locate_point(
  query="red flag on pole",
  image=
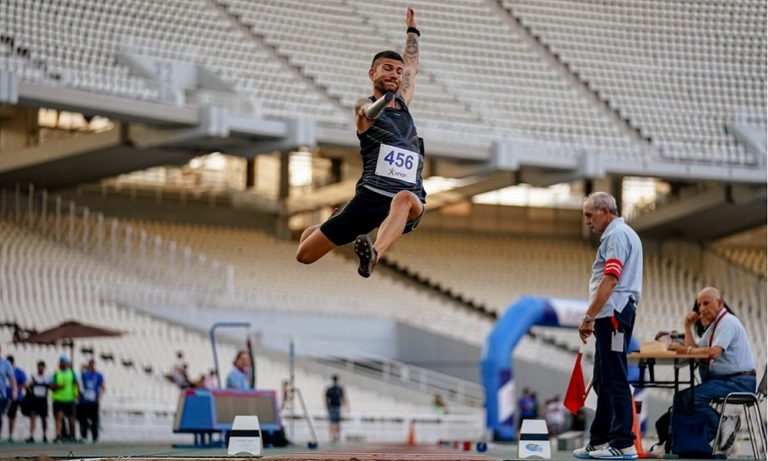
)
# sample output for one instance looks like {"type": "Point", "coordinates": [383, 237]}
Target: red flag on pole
{"type": "Point", "coordinates": [575, 395]}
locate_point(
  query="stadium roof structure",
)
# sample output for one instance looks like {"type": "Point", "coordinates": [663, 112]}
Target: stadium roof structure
{"type": "Point", "coordinates": [150, 133]}
{"type": "Point", "coordinates": [147, 134]}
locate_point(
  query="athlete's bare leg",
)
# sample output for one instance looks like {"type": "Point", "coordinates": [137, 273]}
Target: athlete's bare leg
{"type": "Point", "coordinates": [313, 245]}
{"type": "Point", "coordinates": [405, 207]}
{"type": "Point", "coordinates": [307, 232]}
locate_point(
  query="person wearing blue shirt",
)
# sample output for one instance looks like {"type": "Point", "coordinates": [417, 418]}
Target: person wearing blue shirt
{"type": "Point", "coordinates": [526, 406]}
{"type": "Point", "coordinates": [239, 378]}
{"type": "Point", "coordinates": [730, 368]}
{"type": "Point", "coordinates": [335, 398]}
{"type": "Point", "coordinates": [8, 389]}
{"type": "Point", "coordinates": [614, 294]}
{"type": "Point", "coordinates": [13, 408]}
{"type": "Point", "coordinates": [92, 388]}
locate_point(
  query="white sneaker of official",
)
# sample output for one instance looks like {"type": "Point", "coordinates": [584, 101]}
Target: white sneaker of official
{"type": "Point", "coordinates": [245, 437]}
{"type": "Point", "coordinates": [534, 440]}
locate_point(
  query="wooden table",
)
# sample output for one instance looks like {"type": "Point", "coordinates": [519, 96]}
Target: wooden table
{"type": "Point", "coordinates": [647, 360]}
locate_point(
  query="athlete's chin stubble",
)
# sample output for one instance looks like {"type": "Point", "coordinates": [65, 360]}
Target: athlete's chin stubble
{"type": "Point", "coordinates": [383, 88]}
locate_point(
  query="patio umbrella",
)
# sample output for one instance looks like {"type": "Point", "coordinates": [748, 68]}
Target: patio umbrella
{"type": "Point", "coordinates": [67, 331]}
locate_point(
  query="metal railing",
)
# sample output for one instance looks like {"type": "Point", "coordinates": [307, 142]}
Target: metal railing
{"type": "Point", "coordinates": [174, 275]}
{"type": "Point", "coordinates": [371, 365]}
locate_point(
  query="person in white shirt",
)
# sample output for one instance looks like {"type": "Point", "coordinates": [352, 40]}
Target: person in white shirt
{"type": "Point", "coordinates": [730, 368]}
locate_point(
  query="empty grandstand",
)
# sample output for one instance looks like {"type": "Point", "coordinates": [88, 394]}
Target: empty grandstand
{"type": "Point", "coordinates": [159, 161]}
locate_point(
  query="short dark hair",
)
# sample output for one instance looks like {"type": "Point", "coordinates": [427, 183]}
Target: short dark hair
{"type": "Point", "coordinates": [386, 54]}
{"type": "Point", "coordinates": [11, 359]}
{"type": "Point", "coordinates": [239, 354]}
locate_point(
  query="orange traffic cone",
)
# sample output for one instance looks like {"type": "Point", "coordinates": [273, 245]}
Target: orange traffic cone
{"type": "Point", "coordinates": [636, 429]}
{"type": "Point", "coordinates": [411, 442]}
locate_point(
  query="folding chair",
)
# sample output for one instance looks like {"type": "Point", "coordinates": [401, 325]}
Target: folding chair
{"type": "Point", "coordinates": [751, 403]}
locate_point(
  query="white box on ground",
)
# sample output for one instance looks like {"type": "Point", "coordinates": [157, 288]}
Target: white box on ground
{"type": "Point", "coordinates": [245, 436]}
{"type": "Point", "coordinates": [534, 440]}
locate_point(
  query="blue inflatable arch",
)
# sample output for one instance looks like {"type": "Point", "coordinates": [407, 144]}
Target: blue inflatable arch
{"type": "Point", "coordinates": [497, 372]}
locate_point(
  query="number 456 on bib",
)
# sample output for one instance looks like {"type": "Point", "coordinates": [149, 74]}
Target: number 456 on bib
{"type": "Point", "coordinates": [397, 163]}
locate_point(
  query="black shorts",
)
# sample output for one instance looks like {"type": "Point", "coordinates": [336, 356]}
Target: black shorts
{"type": "Point", "coordinates": [38, 406]}
{"type": "Point", "coordinates": [334, 414]}
{"type": "Point", "coordinates": [12, 409]}
{"type": "Point", "coordinates": [364, 213]}
{"type": "Point", "coordinates": [68, 408]}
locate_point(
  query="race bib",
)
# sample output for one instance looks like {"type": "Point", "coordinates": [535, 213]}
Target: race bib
{"type": "Point", "coordinates": [89, 395]}
{"type": "Point", "coordinates": [40, 391]}
{"type": "Point", "coordinates": [397, 163]}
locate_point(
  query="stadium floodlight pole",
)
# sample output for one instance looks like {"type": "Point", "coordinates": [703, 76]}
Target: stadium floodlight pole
{"type": "Point", "coordinates": [375, 109]}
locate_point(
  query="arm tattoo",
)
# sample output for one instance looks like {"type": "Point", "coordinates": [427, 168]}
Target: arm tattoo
{"type": "Point", "coordinates": [411, 61]}
{"type": "Point", "coordinates": [412, 46]}
{"type": "Point", "coordinates": [406, 82]}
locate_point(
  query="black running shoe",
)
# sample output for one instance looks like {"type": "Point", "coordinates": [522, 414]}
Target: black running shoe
{"type": "Point", "coordinates": [367, 253]}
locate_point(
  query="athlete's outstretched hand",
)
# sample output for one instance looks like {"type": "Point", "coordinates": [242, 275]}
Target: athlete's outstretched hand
{"type": "Point", "coordinates": [410, 17]}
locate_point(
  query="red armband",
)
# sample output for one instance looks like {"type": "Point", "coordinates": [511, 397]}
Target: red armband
{"type": "Point", "coordinates": [613, 267]}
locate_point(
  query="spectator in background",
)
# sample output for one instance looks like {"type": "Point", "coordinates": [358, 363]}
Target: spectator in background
{"type": "Point", "coordinates": [555, 416]}
{"type": "Point", "coordinates": [526, 406]}
{"type": "Point", "coordinates": [335, 398]}
{"type": "Point", "coordinates": [183, 379]}
{"type": "Point", "coordinates": [88, 410]}
{"type": "Point", "coordinates": [209, 382]}
{"type": "Point", "coordinates": [8, 389]}
{"type": "Point", "coordinates": [535, 400]}
{"type": "Point", "coordinates": [438, 405]}
{"type": "Point", "coordinates": [286, 391]}
{"type": "Point", "coordinates": [180, 367]}
{"type": "Point", "coordinates": [13, 407]}
{"type": "Point", "coordinates": [65, 390]}
{"type": "Point", "coordinates": [37, 394]}
{"type": "Point", "coordinates": [240, 376]}
{"type": "Point", "coordinates": [199, 383]}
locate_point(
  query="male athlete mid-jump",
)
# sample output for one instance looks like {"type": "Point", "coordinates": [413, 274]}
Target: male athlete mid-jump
{"type": "Point", "coordinates": [390, 194]}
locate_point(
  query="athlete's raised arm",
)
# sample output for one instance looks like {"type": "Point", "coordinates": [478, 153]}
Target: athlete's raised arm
{"type": "Point", "coordinates": [410, 58]}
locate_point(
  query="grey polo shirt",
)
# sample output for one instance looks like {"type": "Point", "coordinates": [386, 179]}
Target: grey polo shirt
{"type": "Point", "coordinates": [620, 254]}
{"type": "Point", "coordinates": [737, 350]}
